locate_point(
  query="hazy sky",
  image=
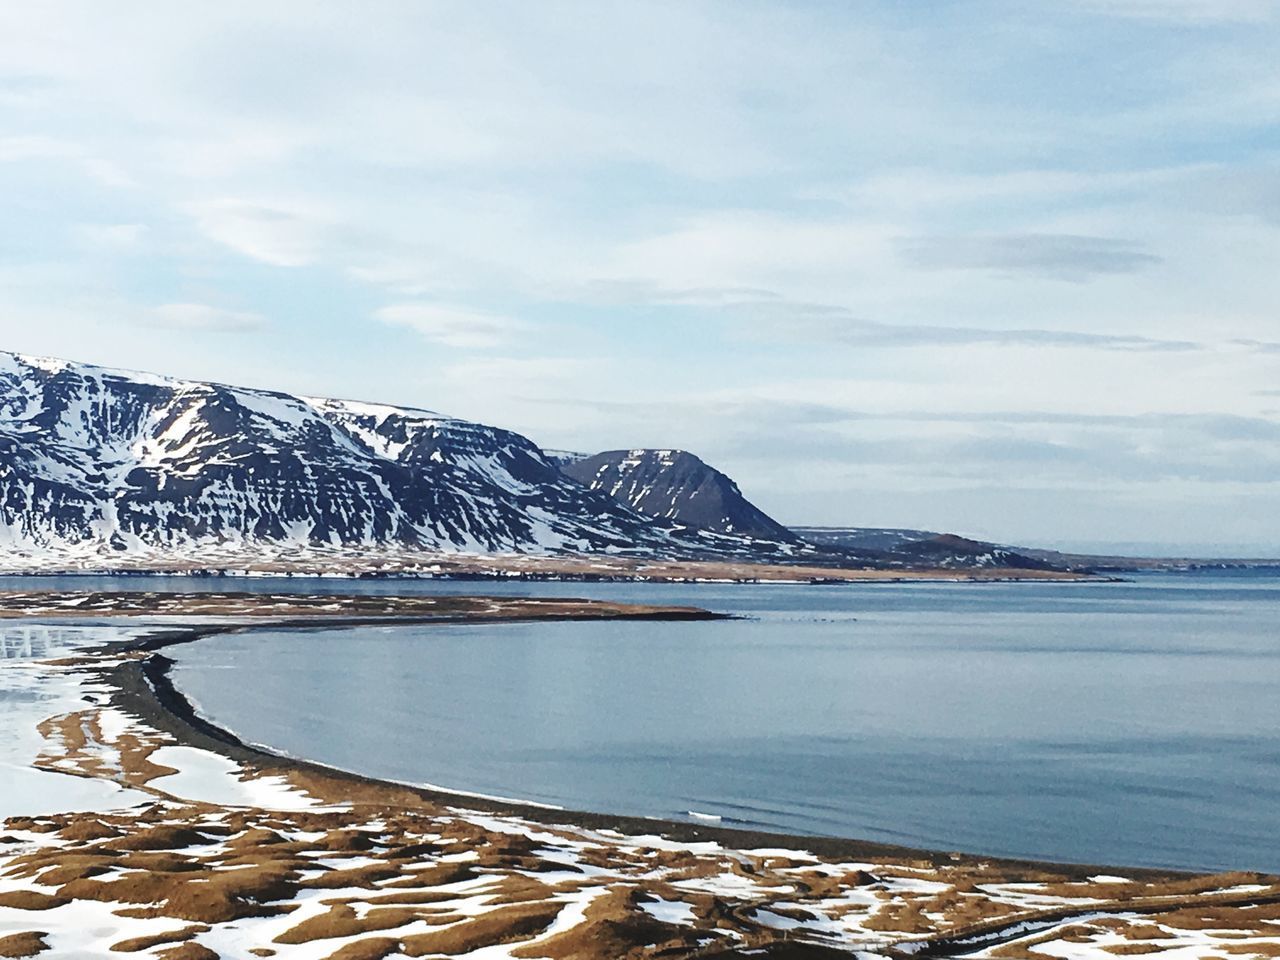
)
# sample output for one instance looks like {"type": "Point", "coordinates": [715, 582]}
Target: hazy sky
{"type": "Point", "coordinates": [1011, 269]}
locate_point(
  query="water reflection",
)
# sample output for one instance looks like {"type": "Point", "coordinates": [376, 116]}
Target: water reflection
{"type": "Point", "coordinates": [42, 641]}
{"type": "Point", "coordinates": [1133, 723]}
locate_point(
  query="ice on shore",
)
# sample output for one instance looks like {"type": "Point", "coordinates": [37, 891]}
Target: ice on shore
{"type": "Point", "coordinates": [576, 871]}
{"type": "Point", "coordinates": [668, 911]}
{"type": "Point", "coordinates": [210, 778]}
{"type": "Point", "coordinates": [31, 692]}
{"type": "Point", "coordinates": [28, 792]}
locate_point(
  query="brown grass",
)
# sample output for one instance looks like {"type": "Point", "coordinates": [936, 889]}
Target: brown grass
{"type": "Point", "coordinates": [285, 606]}
{"type": "Point", "coordinates": [1222, 918]}
{"type": "Point", "coordinates": [1182, 886]}
{"type": "Point", "coordinates": [87, 829]}
{"type": "Point", "coordinates": [188, 951]}
{"type": "Point", "coordinates": [33, 824]}
{"type": "Point", "coordinates": [516, 888]}
{"type": "Point", "coordinates": [27, 944]}
{"type": "Point", "coordinates": [1269, 948]}
{"type": "Point", "coordinates": [145, 858]}
{"type": "Point", "coordinates": [614, 927]}
{"type": "Point", "coordinates": [1079, 933]}
{"type": "Point", "coordinates": [1132, 949]}
{"type": "Point", "coordinates": [435, 876]}
{"type": "Point", "coordinates": [504, 925]}
{"type": "Point", "coordinates": [899, 917]}
{"type": "Point", "coordinates": [162, 837]}
{"type": "Point", "coordinates": [56, 867]}
{"type": "Point", "coordinates": [970, 908]}
{"type": "Point", "coordinates": [342, 921]}
{"type": "Point", "coordinates": [415, 898]}
{"type": "Point", "coordinates": [344, 841]}
{"type": "Point", "coordinates": [31, 900]}
{"type": "Point", "coordinates": [375, 948]}
{"type": "Point", "coordinates": [1020, 951]}
{"type": "Point", "coordinates": [366, 877]}
{"type": "Point", "coordinates": [135, 944]}
{"type": "Point", "coordinates": [1145, 931]}
{"type": "Point", "coordinates": [203, 897]}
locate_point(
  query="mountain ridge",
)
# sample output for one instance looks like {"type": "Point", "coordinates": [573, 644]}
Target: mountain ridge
{"type": "Point", "coordinates": [101, 457]}
{"type": "Point", "coordinates": [679, 486]}
{"type": "Point", "coordinates": [104, 468]}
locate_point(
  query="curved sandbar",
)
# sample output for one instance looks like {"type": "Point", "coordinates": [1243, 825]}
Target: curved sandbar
{"type": "Point", "coordinates": [145, 688]}
{"type": "Point", "coordinates": [400, 869]}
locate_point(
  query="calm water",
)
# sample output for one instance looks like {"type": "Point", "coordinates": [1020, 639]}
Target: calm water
{"type": "Point", "coordinates": [1110, 723]}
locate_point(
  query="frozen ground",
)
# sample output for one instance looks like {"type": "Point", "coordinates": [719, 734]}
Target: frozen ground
{"type": "Point", "coordinates": [120, 840]}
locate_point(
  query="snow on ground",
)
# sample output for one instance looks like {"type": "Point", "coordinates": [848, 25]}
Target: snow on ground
{"type": "Point", "coordinates": [321, 873]}
{"type": "Point", "coordinates": [209, 778]}
{"type": "Point", "coordinates": [669, 911]}
{"type": "Point", "coordinates": [30, 692]}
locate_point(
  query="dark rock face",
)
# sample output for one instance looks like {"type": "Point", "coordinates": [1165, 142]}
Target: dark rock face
{"type": "Point", "coordinates": [676, 486]}
{"type": "Point", "coordinates": [875, 539]}
{"type": "Point", "coordinates": [895, 546]}
{"type": "Point", "coordinates": [949, 551]}
{"type": "Point", "coordinates": [89, 455]}
{"type": "Point", "coordinates": [96, 463]}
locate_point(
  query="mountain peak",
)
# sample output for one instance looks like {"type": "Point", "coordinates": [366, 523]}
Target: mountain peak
{"type": "Point", "coordinates": [677, 486]}
{"type": "Point", "coordinates": [94, 460]}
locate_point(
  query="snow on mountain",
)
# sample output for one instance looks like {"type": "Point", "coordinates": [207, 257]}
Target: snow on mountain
{"type": "Point", "coordinates": [563, 458]}
{"type": "Point", "coordinates": [107, 469]}
{"type": "Point", "coordinates": [948, 551]}
{"type": "Point", "coordinates": [677, 486]}
{"type": "Point", "coordinates": [105, 462]}
{"type": "Point", "coordinates": [896, 546]}
{"type": "Point", "coordinates": [875, 539]}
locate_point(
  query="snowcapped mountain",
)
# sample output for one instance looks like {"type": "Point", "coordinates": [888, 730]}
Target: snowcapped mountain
{"type": "Point", "coordinates": [112, 470]}
{"type": "Point", "coordinates": [677, 486]}
{"type": "Point", "coordinates": [104, 462]}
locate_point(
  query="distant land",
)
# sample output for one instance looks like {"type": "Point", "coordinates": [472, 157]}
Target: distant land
{"type": "Point", "coordinates": [112, 471]}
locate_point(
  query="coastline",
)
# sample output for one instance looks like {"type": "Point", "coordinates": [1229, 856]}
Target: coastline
{"type": "Point", "coordinates": [746, 892]}
{"type": "Point", "coordinates": [143, 686]}
{"type": "Point", "coordinates": [536, 568]}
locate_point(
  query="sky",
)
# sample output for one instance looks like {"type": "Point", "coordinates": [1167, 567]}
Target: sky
{"type": "Point", "coordinates": [1005, 269]}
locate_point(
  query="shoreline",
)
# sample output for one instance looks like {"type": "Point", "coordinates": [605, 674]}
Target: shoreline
{"type": "Point", "coordinates": [246, 846]}
{"type": "Point", "coordinates": [536, 568]}
{"type": "Point", "coordinates": [146, 688]}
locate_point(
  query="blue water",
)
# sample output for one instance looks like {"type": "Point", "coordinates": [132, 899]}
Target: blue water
{"type": "Point", "coordinates": [1134, 723]}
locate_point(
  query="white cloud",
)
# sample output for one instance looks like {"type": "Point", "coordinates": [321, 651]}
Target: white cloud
{"type": "Point", "coordinates": [277, 233]}
{"type": "Point", "coordinates": [516, 375]}
{"type": "Point", "coordinates": [453, 326]}
{"type": "Point", "coordinates": [111, 237]}
{"type": "Point", "coordinates": [20, 149]}
{"type": "Point", "coordinates": [407, 276]}
{"type": "Point", "coordinates": [926, 193]}
{"type": "Point", "coordinates": [1056, 255]}
{"type": "Point", "coordinates": [1186, 11]}
{"type": "Point", "coordinates": [747, 249]}
{"type": "Point", "coordinates": [665, 177]}
{"type": "Point", "coordinates": [201, 316]}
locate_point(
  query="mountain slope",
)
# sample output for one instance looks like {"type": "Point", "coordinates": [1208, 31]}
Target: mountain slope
{"type": "Point", "coordinates": [113, 461]}
{"type": "Point", "coordinates": [948, 551]}
{"type": "Point", "coordinates": [675, 485]}
{"type": "Point", "coordinates": [110, 470]}
{"type": "Point", "coordinates": [874, 539]}
{"type": "Point", "coordinates": [897, 546]}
